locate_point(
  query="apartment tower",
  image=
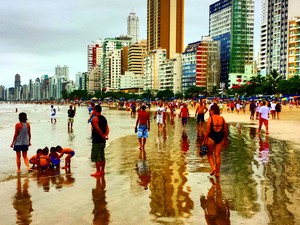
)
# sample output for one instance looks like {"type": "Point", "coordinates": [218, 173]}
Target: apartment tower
{"type": "Point", "coordinates": [263, 38]}
{"type": "Point", "coordinates": [231, 22]}
{"type": "Point", "coordinates": [165, 26]}
{"type": "Point", "coordinates": [294, 48]}
{"type": "Point", "coordinates": [133, 27]}
{"type": "Point", "coordinates": [279, 14]}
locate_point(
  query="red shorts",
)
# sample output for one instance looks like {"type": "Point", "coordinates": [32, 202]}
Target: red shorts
{"type": "Point", "coordinates": [263, 121]}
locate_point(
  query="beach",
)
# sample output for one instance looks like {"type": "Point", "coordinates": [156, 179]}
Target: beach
{"type": "Point", "coordinates": [256, 186]}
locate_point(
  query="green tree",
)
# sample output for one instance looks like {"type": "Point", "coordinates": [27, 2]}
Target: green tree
{"type": "Point", "coordinates": [194, 92]}
{"type": "Point", "coordinates": [290, 86]}
{"type": "Point", "coordinates": [272, 81]}
{"type": "Point", "coordinates": [165, 94]}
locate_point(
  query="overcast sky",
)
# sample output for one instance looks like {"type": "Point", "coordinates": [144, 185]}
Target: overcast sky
{"type": "Point", "coordinates": [38, 35]}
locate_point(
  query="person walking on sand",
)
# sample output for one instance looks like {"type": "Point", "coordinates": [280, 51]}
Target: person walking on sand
{"type": "Point", "coordinates": [100, 132]}
{"type": "Point", "coordinates": [199, 114]}
{"type": "Point", "coordinates": [264, 117]}
{"type": "Point", "coordinates": [142, 126]}
{"type": "Point", "coordinates": [159, 115]}
{"type": "Point", "coordinates": [184, 115]}
{"type": "Point", "coordinates": [53, 114]}
{"type": "Point", "coordinates": [215, 138]}
{"type": "Point", "coordinates": [21, 141]}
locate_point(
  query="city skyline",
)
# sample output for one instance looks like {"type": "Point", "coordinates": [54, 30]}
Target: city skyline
{"type": "Point", "coordinates": [38, 36]}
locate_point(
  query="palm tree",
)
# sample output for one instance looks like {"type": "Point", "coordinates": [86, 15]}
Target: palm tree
{"type": "Point", "coordinates": [273, 79]}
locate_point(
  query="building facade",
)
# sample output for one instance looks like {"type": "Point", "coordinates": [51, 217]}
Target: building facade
{"type": "Point", "coordinates": [294, 47]}
{"type": "Point", "coordinates": [165, 26]}
{"type": "Point", "coordinates": [279, 14]}
{"type": "Point", "coordinates": [170, 74]}
{"type": "Point", "coordinates": [152, 62]}
{"type": "Point", "coordinates": [208, 66]}
{"type": "Point", "coordinates": [94, 54]}
{"type": "Point", "coordinates": [231, 22]}
{"type": "Point", "coordinates": [136, 55]}
{"type": "Point", "coordinates": [133, 27]}
{"type": "Point", "coordinates": [263, 38]}
{"type": "Point", "coordinates": [188, 78]}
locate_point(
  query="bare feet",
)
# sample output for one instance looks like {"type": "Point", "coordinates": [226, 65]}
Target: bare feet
{"type": "Point", "coordinates": [30, 170]}
{"type": "Point", "coordinates": [18, 171]}
{"type": "Point", "coordinates": [217, 175]}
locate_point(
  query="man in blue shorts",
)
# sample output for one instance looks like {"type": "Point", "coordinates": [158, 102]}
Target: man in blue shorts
{"type": "Point", "coordinates": [142, 126]}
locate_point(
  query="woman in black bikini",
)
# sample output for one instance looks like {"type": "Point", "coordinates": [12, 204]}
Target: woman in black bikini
{"type": "Point", "coordinates": [216, 137]}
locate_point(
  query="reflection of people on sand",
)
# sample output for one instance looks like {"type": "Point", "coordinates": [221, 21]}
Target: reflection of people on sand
{"type": "Point", "coordinates": [22, 203]}
{"type": "Point", "coordinates": [100, 211]}
{"type": "Point", "coordinates": [143, 170]}
{"type": "Point", "coordinates": [264, 149]}
{"type": "Point", "coordinates": [184, 143]}
{"type": "Point", "coordinates": [53, 114]}
{"type": "Point", "coordinates": [215, 208]}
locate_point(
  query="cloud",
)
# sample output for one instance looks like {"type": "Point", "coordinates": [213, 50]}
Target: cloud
{"type": "Point", "coordinates": [37, 35]}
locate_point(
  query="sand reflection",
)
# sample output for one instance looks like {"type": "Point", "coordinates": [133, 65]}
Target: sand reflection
{"type": "Point", "coordinates": [215, 208]}
{"type": "Point", "coordinates": [100, 211]}
{"type": "Point", "coordinates": [22, 202]}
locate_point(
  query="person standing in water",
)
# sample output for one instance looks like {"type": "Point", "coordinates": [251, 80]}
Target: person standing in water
{"type": "Point", "coordinates": [21, 141]}
{"type": "Point", "coordinates": [53, 114]}
{"type": "Point", "coordinates": [216, 138]}
{"type": "Point", "coordinates": [100, 132]}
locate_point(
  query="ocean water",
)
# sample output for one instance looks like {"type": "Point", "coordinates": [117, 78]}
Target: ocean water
{"type": "Point", "coordinates": [259, 181]}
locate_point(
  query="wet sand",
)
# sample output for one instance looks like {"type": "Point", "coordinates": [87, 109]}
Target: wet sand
{"type": "Point", "coordinates": [168, 185]}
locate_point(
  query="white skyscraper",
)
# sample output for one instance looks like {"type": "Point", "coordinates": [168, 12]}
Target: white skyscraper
{"type": "Point", "coordinates": [263, 37]}
{"type": "Point", "coordinates": [279, 14]}
{"type": "Point", "coordinates": [133, 27]}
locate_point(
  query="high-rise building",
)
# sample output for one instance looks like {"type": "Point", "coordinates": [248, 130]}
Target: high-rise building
{"type": "Point", "coordinates": [17, 87]}
{"type": "Point", "coordinates": [294, 47]}
{"type": "Point", "coordinates": [94, 54]}
{"type": "Point", "coordinates": [232, 23]}
{"type": "Point", "coordinates": [279, 14]}
{"type": "Point", "coordinates": [263, 38]}
{"type": "Point", "coordinates": [136, 55]}
{"type": "Point", "coordinates": [189, 66]}
{"type": "Point", "coordinates": [165, 26]}
{"type": "Point", "coordinates": [152, 62]}
{"type": "Point", "coordinates": [208, 64]}
{"type": "Point", "coordinates": [62, 72]}
{"type": "Point", "coordinates": [111, 64]}
{"type": "Point", "coordinates": [133, 27]}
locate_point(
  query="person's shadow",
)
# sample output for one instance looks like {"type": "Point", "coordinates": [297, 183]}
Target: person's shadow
{"type": "Point", "coordinates": [215, 208]}
{"type": "Point", "coordinates": [100, 211]}
{"type": "Point", "coordinates": [22, 202]}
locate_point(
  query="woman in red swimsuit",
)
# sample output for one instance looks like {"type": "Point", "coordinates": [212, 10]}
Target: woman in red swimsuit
{"type": "Point", "coordinates": [216, 137]}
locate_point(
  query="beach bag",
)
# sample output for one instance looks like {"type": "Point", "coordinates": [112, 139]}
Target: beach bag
{"type": "Point", "coordinates": [203, 150]}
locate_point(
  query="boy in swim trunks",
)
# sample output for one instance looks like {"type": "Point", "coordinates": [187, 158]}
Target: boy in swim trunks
{"type": "Point", "coordinates": [35, 160]}
{"type": "Point", "coordinates": [70, 153]}
{"type": "Point", "coordinates": [53, 157]}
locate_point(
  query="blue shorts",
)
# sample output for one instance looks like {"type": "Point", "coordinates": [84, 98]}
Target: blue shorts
{"type": "Point", "coordinates": [142, 131]}
{"type": "Point", "coordinates": [184, 119]}
{"type": "Point", "coordinates": [22, 148]}
{"type": "Point", "coordinates": [54, 161]}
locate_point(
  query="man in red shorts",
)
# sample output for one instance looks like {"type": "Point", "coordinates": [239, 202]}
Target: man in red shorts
{"type": "Point", "coordinates": [264, 117]}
